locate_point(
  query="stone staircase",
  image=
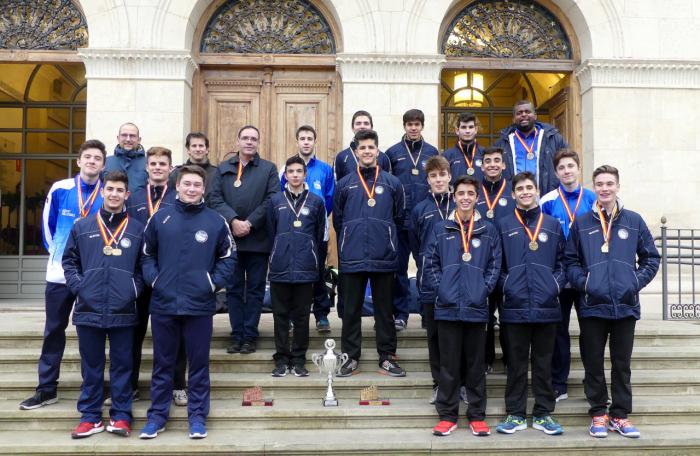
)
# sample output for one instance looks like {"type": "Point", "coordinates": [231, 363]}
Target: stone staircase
{"type": "Point", "coordinates": [666, 382]}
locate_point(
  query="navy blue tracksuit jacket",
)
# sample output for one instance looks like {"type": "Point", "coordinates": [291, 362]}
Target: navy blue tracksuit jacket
{"type": "Point", "coordinates": [188, 255]}
{"type": "Point", "coordinates": [531, 279]}
{"type": "Point", "coordinates": [459, 166]}
{"type": "Point", "coordinates": [459, 288]}
{"type": "Point", "coordinates": [610, 282]}
{"type": "Point", "coordinates": [346, 163]}
{"type": "Point", "coordinates": [137, 204]}
{"type": "Point", "coordinates": [294, 257]}
{"type": "Point", "coordinates": [367, 236]}
{"type": "Point", "coordinates": [505, 205]}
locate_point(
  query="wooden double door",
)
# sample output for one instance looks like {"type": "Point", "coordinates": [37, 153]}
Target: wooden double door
{"type": "Point", "coordinates": [277, 101]}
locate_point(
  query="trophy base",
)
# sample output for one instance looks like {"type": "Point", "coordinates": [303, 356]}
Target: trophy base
{"type": "Point", "coordinates": [377, 402]}
{"type": "Point", "coordinates": [329, 402]}
{"type": "Point", "coordinates": [261, 403]}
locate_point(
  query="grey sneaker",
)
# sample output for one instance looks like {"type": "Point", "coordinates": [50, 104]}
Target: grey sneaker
{"type": "Point", "coordinates": [351, 367]}
{"type": "Point", "coordinates": [180, 397]}
{"type": "Point", "coordinates": [391, 368]}
{"type": "Point", "coordinates": [433, 395]}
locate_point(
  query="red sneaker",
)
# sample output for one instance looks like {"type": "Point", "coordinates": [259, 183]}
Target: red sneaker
{"type": "Point", "coordinates": [119, 427]}
{"type": "Point", "coordinates": [444, 428]}
{"type": "Point", "coordinates": [86, 429]}
{"type": "Point", "coordinates": [479, 428]}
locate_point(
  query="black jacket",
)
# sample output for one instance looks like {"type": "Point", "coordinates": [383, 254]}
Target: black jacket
{"type": "Point", "coordinates": [210, 169]}
{"type": "Point", "coordinates": [247, 202]}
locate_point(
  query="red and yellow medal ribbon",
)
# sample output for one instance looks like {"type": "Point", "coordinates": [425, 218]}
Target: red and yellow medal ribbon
{"type": "Point", "coordinates": [466, 237]}
{"type": "Point", "coordinates": [530, 148]}
{"type": "Point", "coordinates": [538, 227]}
{"type": "Point", "coordinates": [152, 209]}
{"type": "Point", "coordinates": [491, 204]}
{"type": "Point", "coordinates": [118, 233]}
{"type": "Point", "coordinates": [86, 206]}
{"type": "Point", "coordinates": [370, 193]}
{"type": "Point", "coordinates": [604, 225]}
{"type": "Point", "coordinates": [572, 215]}
{"type": "Point", "coordinates": [466, 158]}
{"type": "Point", "coordinates": [239, 173]}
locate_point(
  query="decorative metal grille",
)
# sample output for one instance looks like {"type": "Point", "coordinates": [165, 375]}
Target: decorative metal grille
{"type": "Point", "coordinates": [42, 24]}
{"type": "Point", "coordinates": [506, 29]}
{"type": "Point", "coordinates": [266, 27]}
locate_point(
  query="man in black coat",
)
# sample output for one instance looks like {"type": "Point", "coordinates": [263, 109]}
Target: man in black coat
{"type": "Point", "coordinates": [197, 144]}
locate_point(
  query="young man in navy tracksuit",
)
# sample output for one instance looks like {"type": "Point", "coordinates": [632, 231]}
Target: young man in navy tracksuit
{"type": "Point", "coordinates": [565, 204]}
{"type": "Point", "coordinates": [408, 159]}
{"type": "Point", "coordinates": [102, 268]}
{"type": "Point", "coordinates": [610, 257]}
{"type": "Point", "coordinates": [433, 209]}
{"type": "Point", "coordinates": [188, 255]}
{"type": "Point", "coordinates": [67, 201]}
{"type": "Point", "coordinates": [368, 209]}
{"type": "Point", "coordinates": [495, 202]}
{"type": "Point", "coordinates": [462, 264]}
{"type": "Point", "coordinates": [298, 225]}
{"type": "Point", "coordinates": [533, 274]}
{"type": "Point", "coordinates": [465, 157]}
{"type": "Point", "coordinates": [142, 204]}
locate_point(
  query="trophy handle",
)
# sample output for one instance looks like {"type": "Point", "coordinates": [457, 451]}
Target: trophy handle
{"type": "Point", "coordinates": [317, 360]}
{"type": "Point", "coordinates": [343, 357]}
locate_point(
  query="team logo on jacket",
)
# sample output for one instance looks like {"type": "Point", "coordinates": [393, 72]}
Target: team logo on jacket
{"type": "Point", "coordinates": [622, 233]}
{"type": "Point", "coordinates": [317, 185]}
{"type": "Point", "coordinates": [503, 202]}
{"type": "Point", "coordinates": [379, 189]}
{"type": "Point", "coordinates": [476, 243]}
{"type": "Point", "coordinates": [543, 237]}
{"type": "Point", "coordinates": [125, 242]}
{"type": "Point", "coordinates": [201, 236]}
{"type": "Point", "coordinates": [304, 211]}
{"type": "Point", "coordinates": [477, 162]}
{"type": "Point", "coordinates": [423, 163]}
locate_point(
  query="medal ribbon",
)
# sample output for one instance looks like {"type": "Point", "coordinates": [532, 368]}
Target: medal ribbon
{"type": "Point", "coordinates": [370, 194]}
{"type": "Point", "coordinates": [466, 238]}
{"type": "Point", "coordinates": [604, 224]}
{"type": "Point", "coordinates": [489, 203]}
{"type": "Point", "coordinates": [151, 208]}
{"type": "Point", "coordinates": [522, 141]}
{"type": "Point", "coordinates": [530, 234]}
{"type": "Point", "coordinates": [473, 154]}
{"type": "Point", "coordinates": [447, 206]}
{"type": "Point", "coordinates": [291, 206]}
{"type": "Point", "coordinates": [239, 173]}
{"type": "Point", "coordinates": [410, 155]}
{"type": "Point", "coordinates": [119, 232]}
{"type": "Point", "coordinates": [86, 206]}
{"type": "Point", "coordinates": [572, 216]}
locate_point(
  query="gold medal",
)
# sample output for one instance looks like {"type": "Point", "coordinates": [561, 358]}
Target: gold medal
{"type": "Point", "coordinates": [605, 226]}
{"type": "Point", "coordinates": [533, 245]}
{"type": "Point", "coordinates": [237, 183]}
{"type": "Point", "coordinates": [466, 237]}
{"type": "Point", "coordinates": [110, 239]}
{"type": "Point", "coordinates": [605, 248]}
{"type": "Point", "coordinates": [466, 257]}
{"type": "Point", "coordinates": [490, 213]}
{"type": "Point", "coordinates": [470, 171]}
{"type": "Point", "coordinates": [370, 193]}
{"type": "Point", "coordinates": [414, 171]}
{"type": "Point", "coordinates": [371, 202]}
{"type": "Point", "coordinates": [530, 234]}
{"type": "Point", "coordinates": [116, 252]}
{"type": "Point", "coordinates": [239, 173]}
{"type": "Point", "coordinates": [107, 250]}
{"type": "Point", "coordinates": [530, 156]}
{"type": "Point", "coordinates": [491, 203]}
{"type": "Point", "coordinates": [297, 223]}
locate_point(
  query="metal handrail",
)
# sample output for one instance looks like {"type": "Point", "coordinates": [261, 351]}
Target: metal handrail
{"type": "Point", "coordinates": [683, 245]}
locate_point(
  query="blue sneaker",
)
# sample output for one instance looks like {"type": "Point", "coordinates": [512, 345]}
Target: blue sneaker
{"type": "Point", "coordinates": [624, 427]}
{"type": "Point", "coordinates": [547, 424]}
{"type": "Point", "coordinates": [511, 424]}
{"type": "Point", "coordinates": [151, 430]}
{"type": "Point", "coordinates": [198, 430]}
{"type": "Point", "coordinates": [323, 326]}
{"type": "Point", "coordinates": [599, 426]}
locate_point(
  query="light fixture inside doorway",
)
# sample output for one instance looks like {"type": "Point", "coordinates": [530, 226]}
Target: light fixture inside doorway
{"type": "Point", "coordinates": [468, 87]}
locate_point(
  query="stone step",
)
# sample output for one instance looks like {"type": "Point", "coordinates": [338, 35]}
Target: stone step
{"type": "Point", "coordinates": [669, 440]}
{"type": "Point", "coordinates": [679, 382]}
{"type": "Point", "coordinates": [310, 414]}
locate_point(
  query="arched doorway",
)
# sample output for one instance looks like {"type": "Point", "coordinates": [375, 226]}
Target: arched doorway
{"type": "Point", "coordinates": [270, 64]}
{"type": "Point", "coordinates": [42, 124]}
{"type": "Point", "coordinates": [502, 51]}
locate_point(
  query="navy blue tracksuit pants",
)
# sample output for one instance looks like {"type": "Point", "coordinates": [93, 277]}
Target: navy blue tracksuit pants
{"type": "Point", "coordinates": [322, 303]}
{"type": "Point", "coordinates": [245, 295]}
{"type": "Point", "coordinates": [168, 332]}
{"type": "Point", "coordinates": [59, 303]}
{"type": "Point", "coordinates": [91, 342]}
{"type": "Point", "coordinates": [402, 285]}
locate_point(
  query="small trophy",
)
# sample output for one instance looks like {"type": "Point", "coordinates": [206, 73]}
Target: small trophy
{"type": "Point", "coordinates": [254, 397]}
{"type": "Point", "coordinates": [370, 396]}
{"type": "Point", "coordinates": [329, 362]}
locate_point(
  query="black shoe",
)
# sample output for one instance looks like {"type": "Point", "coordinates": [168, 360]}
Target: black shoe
{"type": "Point", "coordinates": [489, 369]}
{"type": "Point", "coordinates": [279, 371]}
{"type": "Point", "coordinates": [247, 348]}
{"type": "Point", "coordinates": [391, 368]}
{"type": "Point", "coordinates": [351, 367]}
{"type": "Point", "coordinates": [235, 347]}
{"type": "Point", "coordinates": [300, 371]}
{"type": "Point", "coordinates": [40, 399]}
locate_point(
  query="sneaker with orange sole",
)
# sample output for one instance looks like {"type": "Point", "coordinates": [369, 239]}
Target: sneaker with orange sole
{"type": "Point", "coordinates": [479, 428]}
{"type": "Point", "coordinates": [444, 428]}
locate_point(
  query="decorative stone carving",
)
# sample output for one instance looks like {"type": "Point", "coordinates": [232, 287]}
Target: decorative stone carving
{"type": "Point", "coordinates": [42, 25]}
{"type": "Point", "coordinates": [506, 29]}
{"type": "Point", "coordinates": [633, 73]}
{"type": "Point", "coordinates": [267, 27]}
{"type": "Point", "coordinates": [390, 69]}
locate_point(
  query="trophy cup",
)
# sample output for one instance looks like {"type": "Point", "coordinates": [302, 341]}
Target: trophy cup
{"type": "Point", "coordinates": [329, 362]}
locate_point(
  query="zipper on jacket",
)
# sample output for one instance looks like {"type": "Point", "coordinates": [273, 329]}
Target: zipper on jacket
{"type": "Point", "coordinates": [274, 247]}
{"type": "Point", "coordinates": [313, 252]}
{"type": "Point", "coordinates": [342, 244]}
{"type": "Point", "coordinates": [136, 293]}
{"type": "Point", "coordinates": [421, 273]}
{"type": "Point", "coordinates": [391, 241]}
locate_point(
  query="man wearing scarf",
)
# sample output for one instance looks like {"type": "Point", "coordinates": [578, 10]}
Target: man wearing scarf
{"type": "Point", "coordinates": [129, 157]}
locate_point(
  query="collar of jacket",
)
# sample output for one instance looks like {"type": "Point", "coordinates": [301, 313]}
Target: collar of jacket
{"type": "Point", "coordinates": [451, 223]}
{"type": "Point", "coordinates": [573, 194]}
{"type": "Point", "coordinates": [596, 210]}
{"type": "Point", "coordinates": [529, 215]}
{"type": "Point", "coordinates": [111, 219]}
{"type": "Point", "coordinates": [231, 165]}
{"type": "Point", "coordinates": [133, 153]}
{"type": "Point", "coordinates": [493, 187]}
{"type": "Point", "coordinates": [414, 146]}
{"type": "Point", "coordinates": [547, 129]}
{"type": "Point", "coordinates": [312, 160]}
{"type": "Point", "coordinates": [189, 207]}
{"type": "Point", "coordinates": [204, 165]}
{"type": "Point", "coordinates": [368, 172]}
{"type": "Point", "coordinates": [292, 195]}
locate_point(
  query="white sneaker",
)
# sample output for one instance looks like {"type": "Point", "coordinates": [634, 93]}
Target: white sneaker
{"type": "Point", "coordinates": [180, 397]}
{"type": "Point", "coordinates": [561, 396]}
{"type": "Point", "coordinates": [433, 395]}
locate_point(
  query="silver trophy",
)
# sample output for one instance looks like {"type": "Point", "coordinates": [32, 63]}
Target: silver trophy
{"type": "Point", "coordinates": [329, 362]}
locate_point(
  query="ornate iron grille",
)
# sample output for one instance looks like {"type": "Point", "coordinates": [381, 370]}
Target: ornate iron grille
{"type": "Point", "coordinates": [267, 27]}
{"type": "Point", "coordinates": [506, 29]}
{"type": "Point", "coordinates": [47, 24]}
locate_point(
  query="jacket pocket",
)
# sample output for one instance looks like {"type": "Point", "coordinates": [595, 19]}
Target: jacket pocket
{"type": "Point", "coordinates": [196, 285]}
{"type": "Point", "coordinates": [92, 290]}
{"type": "Point", "coordinates": [597, 287]}
{"type": "Point", "coordinates": [515, 289]}
{"type": "Point", "coordinates": [449, 293]}
{"type": "Point", "coordinates": [626, 284]}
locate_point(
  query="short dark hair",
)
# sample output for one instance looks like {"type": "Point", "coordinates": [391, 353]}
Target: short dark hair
{"type": "Point", "coordinates": [93, 144]}
{"type": "Point", "coordinates": [192, 169]}
{"type": "Point", "coordinates": [157, 151]}
{"type": "Point", "coordinates": [465, 117]}
{"type": "Point", "coordinates": [367, 134]}
{"type": "Point", "coordinates": [492, 150]}
{"type": "Point", "coordinates": [521, 103]}
{"type": "Point", "coordinates": [361, 114]}
{"type": "Point", "coordinates": [607, 169]}
{"type": "Point", "coordinates": [413, 115]}
{"type": "Point", "coordinates": [196, 135]}
{"type": "Point", "coordinates": [566, 153]}
{"type": "Point", "coordinates": [295, 160]}
{"type": "Point", "coordinates": [523, 176]}
{"type": "Point", "coordinates": [466, 180]}
{"type": "Point", "coordinates": [305, 128]}
{"type": "Point", "coordinates": [245, 127]}
{"type": "Point", "coordinates": [436, 163]}
{"type": "Point", "coordinates": [117, 176]}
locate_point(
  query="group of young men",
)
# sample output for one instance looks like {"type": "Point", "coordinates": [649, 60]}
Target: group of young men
{"type": "Point", "coordinates": [506, 228]}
